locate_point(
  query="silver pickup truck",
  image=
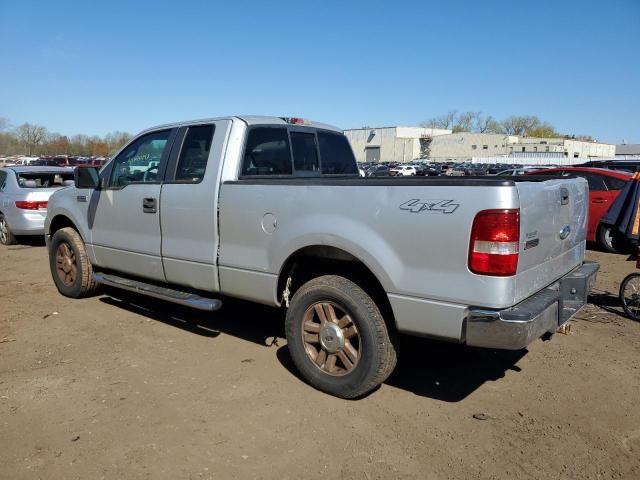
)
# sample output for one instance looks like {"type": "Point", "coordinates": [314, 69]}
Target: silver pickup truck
{"type": "Point", "coordinates": [272, 210]}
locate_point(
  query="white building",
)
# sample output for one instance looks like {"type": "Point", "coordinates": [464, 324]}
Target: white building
{"type": "Point", "coordinates": [465, 146]}
{"type": "Point", "coordinates": [626, 150]}
{"type": "Point", "coordinates": [564, 147]}
{"type": "Point", "coordinates": [391, 144]}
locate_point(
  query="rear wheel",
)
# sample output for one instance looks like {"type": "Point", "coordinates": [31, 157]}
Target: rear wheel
{"type": "Point", "coordinates": [70, 267]}
{"type": "Point", "coordinates": [337, 337]}
{"type": "Point", "coordinates": [630, 295]}
{"type": "Point", "coordinates": [6, 237]}
{"type": "Point", "coordinates": [609, 239]}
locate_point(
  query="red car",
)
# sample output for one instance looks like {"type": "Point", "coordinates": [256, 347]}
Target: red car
{"type": "Point", "coordinates": [604, 187]}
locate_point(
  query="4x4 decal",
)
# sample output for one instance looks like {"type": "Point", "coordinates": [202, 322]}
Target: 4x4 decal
{"type": "Point", "coordinates": [430, 206]}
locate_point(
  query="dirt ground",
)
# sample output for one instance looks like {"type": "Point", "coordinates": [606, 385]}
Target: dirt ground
{"type": "Point", "coordinates": [123, 387]}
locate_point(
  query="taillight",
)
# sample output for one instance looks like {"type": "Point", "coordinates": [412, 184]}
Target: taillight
{"type": "Point", "coordinates": [32, 205]}
{"type": "Point", "coordinates": [495, 238]}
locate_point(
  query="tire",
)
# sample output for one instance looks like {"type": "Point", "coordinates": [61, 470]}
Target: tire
{"type": "Point", "coordinates": [609, 239]}
{"type": "Point", "coordinates": [630, 296]}
{"type": "Point", "coordinates": [70, 267]}
{"type": "Point", "coordinates": [348, 356]}
{"type": "Point", "coordinates": [6, 237]}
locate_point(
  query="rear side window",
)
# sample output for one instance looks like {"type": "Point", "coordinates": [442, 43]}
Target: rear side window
{"type": "Point", "coordinates": [194, 154]}
{"type": "Point", "coordinates": [596, 182]}
{"type": "Point", "coordinates": [305, 154]}
{"type": "Point", "coordinates": [336, 154]}
{"type": "Point", "coordinates": [267, 152]}
{"type": "Point", "coordinates": [614, 183]}
{"type": "Point", "coordinates": [3, 179]}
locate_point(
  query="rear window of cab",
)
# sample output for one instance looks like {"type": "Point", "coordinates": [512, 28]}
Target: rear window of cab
{"type": "Point", "coordinates": [280, 151]}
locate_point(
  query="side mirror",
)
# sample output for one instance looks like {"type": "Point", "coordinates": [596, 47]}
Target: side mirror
{"type": "Point", "coordinates": [86, 177]}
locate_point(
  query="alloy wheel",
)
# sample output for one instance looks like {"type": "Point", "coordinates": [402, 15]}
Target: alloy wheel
{"type": "Point", "coordinates": [331, 338]}
{"type": "Point", "coordinates": [4, 231]}
{"type": "Point", "coordinates": [66, 265]}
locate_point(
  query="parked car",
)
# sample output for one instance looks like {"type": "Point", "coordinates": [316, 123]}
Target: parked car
{"type": "Point", "coordinates": [24, 193]}
{"type": "Point", "coordinates": [403, 171]}
{"type": "Point", "coordinates": [518, 171]}
{"type": "Point", "coordinates": [475, 170]}
{"type": "Point", "coordinates": [604, 187]}
{"type": "Point", "coordinates": [346, 256]}
{"type": "Point", "coordinates": [25, 161]}
{"type": "Point", "coordinates": [378, 171]}
{"type": "Point", "coordinates": [494, 169]}
{"type": "Point", "coordinates": [91, 162]}
{"type": "Point", "coordinates": [631, 166]}
{"type": "Point", "coordinates": [457, 170]}
{"type": "Point", "coordinates": [428, 170]}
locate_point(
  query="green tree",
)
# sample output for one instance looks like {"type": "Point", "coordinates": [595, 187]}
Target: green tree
{"type": "Point", "coordinates": [544, 130]}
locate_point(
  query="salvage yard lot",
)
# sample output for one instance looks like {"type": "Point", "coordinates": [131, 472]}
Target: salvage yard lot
{"type": "Point", "coordinates": [124, 387]}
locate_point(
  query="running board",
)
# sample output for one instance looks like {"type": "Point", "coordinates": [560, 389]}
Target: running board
{"type": "Point", "coordinates": [176, 296]}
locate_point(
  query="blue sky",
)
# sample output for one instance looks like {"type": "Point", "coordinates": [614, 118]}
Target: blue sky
{"type": "Point", "coordinates": [93, 67]}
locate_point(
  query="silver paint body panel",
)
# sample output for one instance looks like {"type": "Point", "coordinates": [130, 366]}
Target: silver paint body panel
{"type": "Point", "coordinates": [212, 235]}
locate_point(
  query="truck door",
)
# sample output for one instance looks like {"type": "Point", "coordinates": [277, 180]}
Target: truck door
{"type": "Point", "coordinates": [124, 216]}
{"type": "Point", "coordinates": [189, 205]}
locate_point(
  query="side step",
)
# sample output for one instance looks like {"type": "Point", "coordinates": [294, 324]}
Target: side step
{"type": "Point", "coordinates": [176, 296]}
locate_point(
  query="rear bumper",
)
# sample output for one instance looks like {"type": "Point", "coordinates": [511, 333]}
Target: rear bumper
{"type": "Point", "coordinates": [27, 222]}
{"type": "Point", "coordinates": [516, 327]}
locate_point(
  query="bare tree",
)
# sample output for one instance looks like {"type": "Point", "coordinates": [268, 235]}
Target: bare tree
{"type": "Point", "coordinates": [4, 124]}
{"type": "Point", "coordinates": [445, 121]}
{"type": "Point", "coordinates": [30, 135]}
{"type": "Point", "coordinates": [465, 121]}
{"type": "Point", "coordinates": [486, 124]}
{"type": "Point", "coordinates": [115, 140]}
{"type": "Point", "coordinates": [520, 125]}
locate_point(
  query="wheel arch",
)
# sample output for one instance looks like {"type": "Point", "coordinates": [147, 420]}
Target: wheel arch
{"type": "Point", "coordinates": [313, 261]}
{"type": "Point", "coordinates": [60, 221]}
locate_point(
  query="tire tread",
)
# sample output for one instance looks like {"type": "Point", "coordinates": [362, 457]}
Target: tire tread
{"type": "Point", "coordinates": [385, 344]}
{"type": "Point", "coordinates": [87, 285]}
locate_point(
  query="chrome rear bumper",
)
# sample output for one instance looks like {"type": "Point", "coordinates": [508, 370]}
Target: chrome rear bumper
{"type": "Point", "coordinates": [516, 327]}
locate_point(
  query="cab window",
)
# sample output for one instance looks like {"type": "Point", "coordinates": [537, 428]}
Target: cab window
{"type": "Point", "coordinates": [305, 154]}
{"type": "Point", "coordinates": [267, 152]}
{"type": "Point", "coordinates": [194, 154]}
{"type": "Point", "coordinates": [140, 161]}
{"type": "Point", "coordinates": [336, 154]}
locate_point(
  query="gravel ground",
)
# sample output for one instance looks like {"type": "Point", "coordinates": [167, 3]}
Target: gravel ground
{"type": "Point", "coordinates": [124, 387]}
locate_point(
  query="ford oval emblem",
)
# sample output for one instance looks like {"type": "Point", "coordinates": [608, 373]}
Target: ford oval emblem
{"type": "Point", "coordinates": [564, 233]}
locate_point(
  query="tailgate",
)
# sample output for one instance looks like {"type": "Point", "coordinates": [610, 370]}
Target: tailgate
{"type": "Point", "coordinates": [553, 224]}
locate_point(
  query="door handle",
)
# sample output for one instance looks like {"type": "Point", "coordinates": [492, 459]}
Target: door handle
{"type": "Point", "coordinates": [599, 200]}
{"type": "Point", "coordinates": [149, 205]}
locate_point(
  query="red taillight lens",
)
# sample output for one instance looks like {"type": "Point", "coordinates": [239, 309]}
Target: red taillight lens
{"type": "Point", "coordinates": [495, 238]}
{"type": "Point", "coordinates": [32, 205]}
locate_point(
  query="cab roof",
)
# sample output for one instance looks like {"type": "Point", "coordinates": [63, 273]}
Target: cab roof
{"type": "Point", "coordinates": [249, 120]}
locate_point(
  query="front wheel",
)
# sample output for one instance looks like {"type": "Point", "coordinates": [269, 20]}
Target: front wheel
{"type": "Point", "coordinates": [70, 267]}
{"type": "Point", "coordinates": [337, 337]}
{"type": "Point", "coordinates": [630, 296]}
